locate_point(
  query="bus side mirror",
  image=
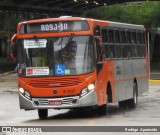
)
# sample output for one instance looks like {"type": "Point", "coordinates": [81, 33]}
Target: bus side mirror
{"type": "Point", "coordinates": [14, 48]}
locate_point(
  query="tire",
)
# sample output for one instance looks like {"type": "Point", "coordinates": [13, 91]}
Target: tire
{"type": "Point", "coordinates": [123, 104]}
{"type": "Point", "coordinates": [43, 113]}
{"type": "Point", "coordinates": [132, 103]}
{"type": "Point", "coordinates": [102, 110]}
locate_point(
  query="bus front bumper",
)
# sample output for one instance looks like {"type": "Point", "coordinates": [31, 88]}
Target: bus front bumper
{"type": "Point", "coordinates": [89, 99]}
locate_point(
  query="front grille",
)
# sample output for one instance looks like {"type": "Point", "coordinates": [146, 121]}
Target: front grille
{"type": "Point", "coordinates": [67, 101]}
{"type": "Point", "coordinates": [45, 102]}
{"type": "Point", "coordinates": [49, 83]}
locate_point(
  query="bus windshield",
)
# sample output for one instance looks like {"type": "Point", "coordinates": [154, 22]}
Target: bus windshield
{"type": "Point", "coordinates": [56, 56]}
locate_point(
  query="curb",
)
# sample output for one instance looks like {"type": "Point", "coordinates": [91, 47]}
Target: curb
{"type": "Point", "coordinates": [154, 81]}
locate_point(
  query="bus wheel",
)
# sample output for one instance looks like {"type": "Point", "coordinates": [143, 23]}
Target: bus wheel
{"type": "Point", "coordinates": [102, 110]}
{"type": "Point", "coordinates": [43, 113]}
{"type": "Point", "coordinates": [132, 103]}
{"type": "Point", "coordinates": [123, 104]}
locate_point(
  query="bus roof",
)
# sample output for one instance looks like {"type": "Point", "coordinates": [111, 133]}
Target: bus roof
{"type": "Point", "coordinates": [121, 25]}
{"type": "Point", "coordinates": [96, 21]}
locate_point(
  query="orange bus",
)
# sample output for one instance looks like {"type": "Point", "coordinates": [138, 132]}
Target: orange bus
{"type": "Point", "coordinates": [73, 62]}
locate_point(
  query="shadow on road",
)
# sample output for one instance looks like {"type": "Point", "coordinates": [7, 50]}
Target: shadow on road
{"type": "Point", "coordinates": [77, 114]}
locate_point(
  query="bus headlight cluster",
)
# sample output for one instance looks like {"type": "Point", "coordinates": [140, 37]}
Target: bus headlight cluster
{"type": "Point", "coordinates": [25, 93]}
{"type": "Point", "coordinates": [90, 87]}
{"type": "Point", "coordinates": [87, 89]}
{"type": "Point", "coordinates": [21, 90]}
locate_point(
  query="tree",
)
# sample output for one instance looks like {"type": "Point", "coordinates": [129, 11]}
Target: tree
{"type": "Point", "coordinates": [146, 13]}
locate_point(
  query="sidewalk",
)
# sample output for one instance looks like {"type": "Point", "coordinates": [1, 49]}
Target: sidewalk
{"type": "Point", "coordinates": [155, 76]}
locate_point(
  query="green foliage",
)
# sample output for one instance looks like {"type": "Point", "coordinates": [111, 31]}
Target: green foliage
{"type": "Point", "coordinates": [112, 12]}
{"type": "Point", "coordinates": [146, 13]}
{"type": "Point", "coordinates": [156, 16]}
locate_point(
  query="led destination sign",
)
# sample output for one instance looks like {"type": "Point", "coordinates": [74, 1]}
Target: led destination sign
{"type": "Point", "coordinates": [54, 27]}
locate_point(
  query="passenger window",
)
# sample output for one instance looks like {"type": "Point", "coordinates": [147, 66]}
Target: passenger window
{"type": "Point", "coordinates": [125, 51]}
{"type": "Point", "coordinates": [99, 49]}
{"type": "Point", "coordinates": [139, 50]}
{"type": "Point", "coordinates": [136, 50]}
{"type": "Point", "coordinates": [123, 37]}
{"type": "Point", "coordinates": [112, 51]}
{"type": "Point", "coordinates": [128, 36]}
{"type": "Point", "coordinates": [106, 51]}
{"type": "Point", "coordinates": [118, 51]}
{"type": "Point", "coordinates": [134, 37]}
{"type": "Point", "coordinates": [110, 36]}
{"type": "Point", "coordinates": [104, 35]}
{"type": "Point", "coordinates": [143, 51]}
{"type": "Point", "coordinates": [139, 38]}
{"type": "Point", "coordinates": [143, 38]}
{"type": "Point", "coordinates": [129, 48]}
{"type": "Point", "coordinates": [117, 36]}
{"type": "Point", "coordinates": [133, 50]}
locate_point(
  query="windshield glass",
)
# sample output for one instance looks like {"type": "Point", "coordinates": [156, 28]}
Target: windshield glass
{"type": "Point", "coordinates": [56, 56]}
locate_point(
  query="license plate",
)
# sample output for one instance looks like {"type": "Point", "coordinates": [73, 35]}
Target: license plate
{"type": "Point", "coordinates": [55, 102]}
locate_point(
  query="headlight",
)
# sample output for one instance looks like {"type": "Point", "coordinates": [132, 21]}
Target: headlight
{"type": "Point", "coordinates": [87, 90]}
{"type": "Point", "coordinates": [27, 94]}
{"type": "Point", "coordinates": [21, 90]}
{"type": "Point", "coordinates": [84, 92]}
{"type": "Point", "coordinates": [90, 87]}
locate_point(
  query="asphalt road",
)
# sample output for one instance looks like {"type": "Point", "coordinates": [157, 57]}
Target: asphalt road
{"type": "Point", "coordinates": [147, 112]}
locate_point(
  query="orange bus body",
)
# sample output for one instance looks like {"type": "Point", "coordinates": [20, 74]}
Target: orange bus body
{"type": "Point", "coordinates": [114, 82]}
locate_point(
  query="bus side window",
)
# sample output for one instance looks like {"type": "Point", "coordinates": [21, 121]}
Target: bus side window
{"type": "Point", "coordinates": [112, 51]}
{"type": "Point", "coordinates": [128, 53]}
{"type": "Point", "coordinates": [143, 38]}
{"type": "Point", "coordinates": [123, 37]}
{"type": "Point", "coordinates": [111, 43]}
{"type": "Point", "coordinates": [106, 50]}
{"type": "Point", "coordinates": [119, 51]}
{"type": "Point", "coordinates": [125, 51]}
{"type": "Point", "coordinates": [98, 49]}
{"type": "Point", "coordinates": [139, 51]}
{"type": "Point", "coordinates": [117, 43]}
{"type": "Point", "coordinates": [110, 36]}
{"type": "Point", "coordinates": [128, 36]}
{"type": "Point", "coordinates": [99, 55]}
{"type": "Point", "coordinates": [105, 46]}
{"type": "Point", "coordinates": [134, 37]}
{"type": "Point", "coordinates": [133, 51]}
{"type": "Point", "coordinates": [139, 37]}
{"type": "Point", "coordinates": [117, 36]}
{"type": "Point", "coordinates": [104, 36]}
